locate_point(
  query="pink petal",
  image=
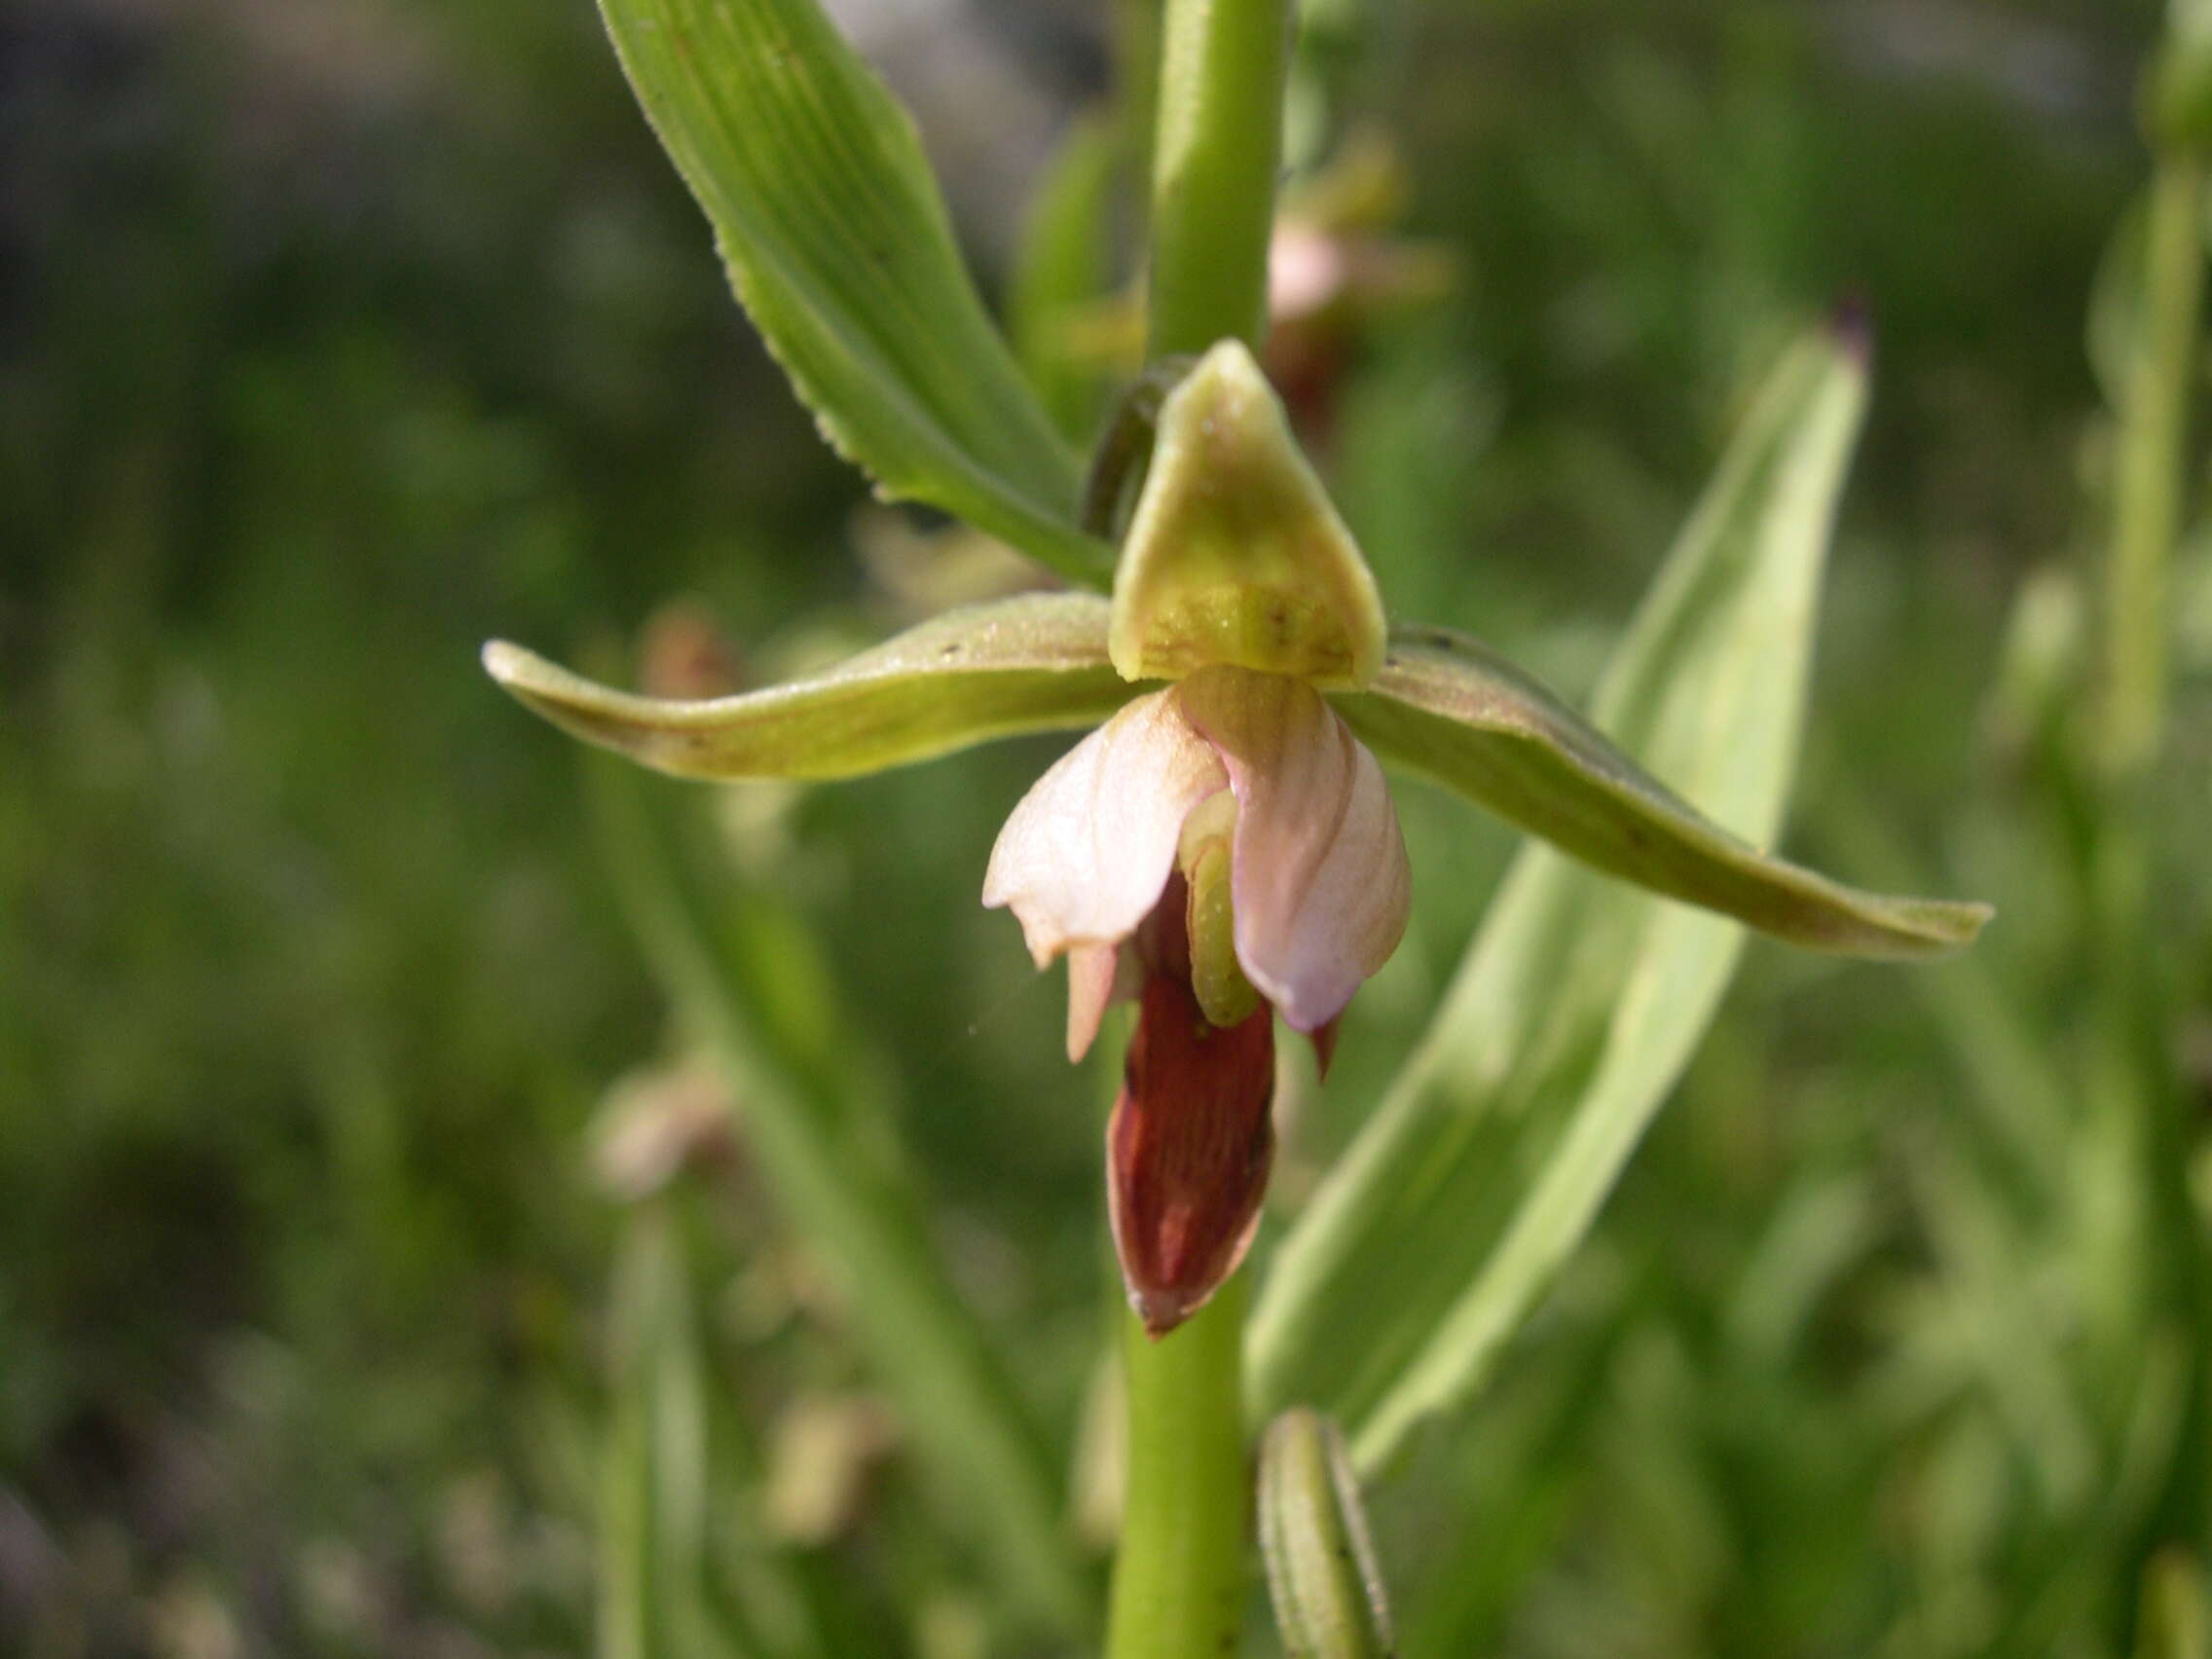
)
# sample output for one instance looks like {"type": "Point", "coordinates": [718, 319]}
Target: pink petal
{"type": "Point", "coordinates": [1084, 856]}
{"type": "Point", "coordinates": [1319, 878]}
{"type": "Point", "coordinates": [1305, 271]}
{"type": "Point", "coordinates": [1098, 977]}
{"type": "Point", "coordinates": [1323, 1037]}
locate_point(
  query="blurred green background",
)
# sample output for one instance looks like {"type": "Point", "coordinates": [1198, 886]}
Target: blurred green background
{"type": "Point", "coordinates": [337, 337]}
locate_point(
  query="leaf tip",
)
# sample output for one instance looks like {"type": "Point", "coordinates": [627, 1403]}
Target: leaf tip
{"type": "Point", "coordinates": [1953, 924]}
{"type": "Point", "coordinates": [1851, 325]}
{"type": "Point", "coordinates": [505, 662]}
{"type": "Point", "coordinates": [1918, 929]}
{"type": "Point", "coordinates": [544, 686]}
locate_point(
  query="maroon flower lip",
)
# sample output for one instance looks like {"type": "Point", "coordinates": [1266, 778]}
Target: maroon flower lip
{"type": "Point", "coordinates": [1188, 1150]}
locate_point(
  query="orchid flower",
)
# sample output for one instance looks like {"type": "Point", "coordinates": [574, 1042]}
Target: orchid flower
{"type": "Point", "coordinates": [1222, 849]}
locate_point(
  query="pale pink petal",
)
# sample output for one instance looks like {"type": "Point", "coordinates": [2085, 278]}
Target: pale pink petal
{"type": "Point", "coordinates": [1320, 876]}
{"type": "Point", "coordinates": [1084, 856]}
{"type": "Point", "coordinates": [1323, 1037]}
{"type": "Point", "coordinates": [1305, 271]}
{"type": "Point", "coordinates": [1098, 977]}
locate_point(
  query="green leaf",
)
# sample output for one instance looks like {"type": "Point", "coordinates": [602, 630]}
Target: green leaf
{"type": "Point", "coordinates": [1580, 999]}
{"type": "Point", "coordinates": [838, 243]}
{"type": "Point", "coordinates": [1034, 663]}
{"type": "Point", "coordinates": [1454, 711]}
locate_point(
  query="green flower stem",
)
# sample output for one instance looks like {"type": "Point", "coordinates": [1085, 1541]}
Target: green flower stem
{"type": "Point", "coordinates": [1134, 40]}
{"type": "Point", "coordinates": [1179, 1579]}
{"type": "Point", "coordinates": [1222, 67]}
{"type": "Point", "coordinates": [2148, 486]}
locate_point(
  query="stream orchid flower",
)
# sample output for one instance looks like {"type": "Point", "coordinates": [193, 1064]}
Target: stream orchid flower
{"type": "Point", "coordinates": [1218, 850]}
{"type": "Point", "coordinates": [1222, 849]}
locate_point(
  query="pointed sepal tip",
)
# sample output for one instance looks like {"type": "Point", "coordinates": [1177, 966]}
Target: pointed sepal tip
{"type": "Point", "coordinates": [1234, 555]}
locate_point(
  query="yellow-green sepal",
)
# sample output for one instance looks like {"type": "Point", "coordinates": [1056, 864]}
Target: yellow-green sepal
{"type": "Point", "coordinates": [1033, 663]}
{"type": "Point", "coordinates": [1452, 710]}
{"type": "Point", "coordinates": [1234, 554]}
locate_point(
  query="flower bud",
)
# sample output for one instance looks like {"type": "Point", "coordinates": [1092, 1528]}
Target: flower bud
{"type": "Point", "coordinates": [1323, 1574]}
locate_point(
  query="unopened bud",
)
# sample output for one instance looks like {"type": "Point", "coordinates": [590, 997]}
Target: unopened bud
{"type": "Point", "coordinates": [1323, 1574]}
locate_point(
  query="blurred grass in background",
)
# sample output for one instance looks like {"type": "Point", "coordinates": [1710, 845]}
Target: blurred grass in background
{"type": "Point", "coordinates": [336, 339]}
